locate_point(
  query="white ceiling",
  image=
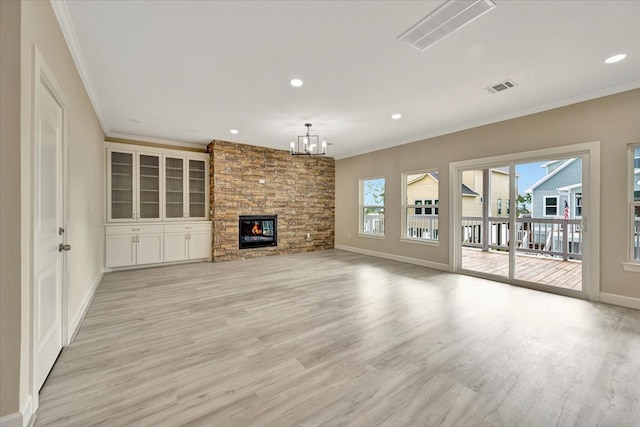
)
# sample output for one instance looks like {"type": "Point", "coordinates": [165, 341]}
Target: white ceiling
{"type": "Point", "coordinates": [211, 66]}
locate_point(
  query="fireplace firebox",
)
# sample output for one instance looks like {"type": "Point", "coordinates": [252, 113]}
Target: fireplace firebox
{"type": "Point", "coordinates": [257, 231]}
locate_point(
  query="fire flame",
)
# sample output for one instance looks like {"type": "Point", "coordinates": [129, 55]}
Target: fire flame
{"type": "Point", "coordinates": [256, 230]}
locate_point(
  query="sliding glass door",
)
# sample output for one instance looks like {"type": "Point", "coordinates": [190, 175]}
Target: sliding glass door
{"type": "Point", "coordinates": [524, 221]}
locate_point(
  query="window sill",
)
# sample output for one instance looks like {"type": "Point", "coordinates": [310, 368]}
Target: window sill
{"type": "Point", "coordinates": [420, 241]}
{"type": "Point", "coordinates": [372, 236]}
{"type": "Point", "coordinates": [633, 267]}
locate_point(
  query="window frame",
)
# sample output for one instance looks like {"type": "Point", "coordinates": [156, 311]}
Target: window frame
{"type": "Point", "coordinates": [420, 209]}
{"type": "Point", "coordinates": [544, 206]}
{"type": "Point", "coordinates": [633, 263]}
{"type": "Point", "coordinates": [362, 207]}
{"type": "Point", "coordinates": [577, 205]}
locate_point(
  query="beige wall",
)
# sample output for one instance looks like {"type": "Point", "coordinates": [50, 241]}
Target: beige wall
{"type": "Point", "coordinates": [39, 27]}
{"type": "Point", "coordinates": [9, 207]}
{"type": "Point", "coordinates": [612, 120]}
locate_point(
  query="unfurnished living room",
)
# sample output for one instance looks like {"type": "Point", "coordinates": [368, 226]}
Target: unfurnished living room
{"type": "Point", "coordinates": [306, 213]}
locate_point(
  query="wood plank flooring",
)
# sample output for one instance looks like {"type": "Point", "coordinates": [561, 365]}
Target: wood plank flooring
{"type": "Point", "coordinates": [339, 339]}
{"type": "Point", "coordinates": [534, 269]}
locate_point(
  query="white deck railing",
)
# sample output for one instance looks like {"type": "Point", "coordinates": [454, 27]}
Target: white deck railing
{"type": "Point", "coordinates": [556, 237]}
{"type": "Point", "coordinates": [373, 224]}
{"type": "Point", "coordinates": [423, 227]}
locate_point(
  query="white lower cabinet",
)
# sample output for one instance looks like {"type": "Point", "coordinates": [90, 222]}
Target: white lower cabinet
{"type": "Point", "coordinates": [154, 244]}
{"type": "Point", "coordinates": [187, 241]}
{"type": "Point", "coordinates": [134, 245]}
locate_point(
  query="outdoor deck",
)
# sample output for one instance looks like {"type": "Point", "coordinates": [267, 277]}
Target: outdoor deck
{"type": "Point", "coordinates": [537, 269]}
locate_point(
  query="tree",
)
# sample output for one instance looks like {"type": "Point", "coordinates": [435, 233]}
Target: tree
{"type": "Point", "coordinates": [524, 203]}
{"type": "Point", "coordinates": [374, 195]}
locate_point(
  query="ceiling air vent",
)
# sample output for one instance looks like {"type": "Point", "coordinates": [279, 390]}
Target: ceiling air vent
{"type": "Point", "coordinates": [499, 87]}
{"type": "Point", "coordinates": [451, 16]}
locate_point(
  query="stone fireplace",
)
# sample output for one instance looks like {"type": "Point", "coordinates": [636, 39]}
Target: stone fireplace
{"type": "Point", "coordinates": [257, 231]}
{"type": "Point", "coordinates": [258, 182]}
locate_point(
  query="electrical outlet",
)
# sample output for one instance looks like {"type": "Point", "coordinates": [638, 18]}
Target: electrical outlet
{"type": "Point", "coordinates": [308, 235]}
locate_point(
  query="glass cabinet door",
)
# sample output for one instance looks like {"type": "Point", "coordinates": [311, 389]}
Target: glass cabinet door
{"type": "Point", "coordinates": [149, 186]}
{"type": "Point", "coordinates": [174, 187]}
{"type": "Point", "coordinates": [121, 185]}
{"type": "Point", "coordinates": [197, 189]}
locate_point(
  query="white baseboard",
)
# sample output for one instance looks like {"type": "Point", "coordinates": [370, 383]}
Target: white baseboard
{"type": "Point", "coordinates": [622, 301]}
{"type": "Point", "coordinates": [161, 264]}
{"type": "Point", "coordinates": [77, 319]}
{"type": "Point", "coordinates": [400, 258]}
{"type": "Point", "coordinates": [19, 419]}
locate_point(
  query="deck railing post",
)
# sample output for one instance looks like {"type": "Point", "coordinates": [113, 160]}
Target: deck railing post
{"type": "Point", "coordinates": [565, 240]}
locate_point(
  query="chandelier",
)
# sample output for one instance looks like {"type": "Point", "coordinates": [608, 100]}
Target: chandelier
{"type": "Point", "coordinates": [308, 145]}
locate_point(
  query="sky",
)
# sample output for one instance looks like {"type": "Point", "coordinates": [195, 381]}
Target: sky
{"type": "Point", "coordinates": [530, 173]}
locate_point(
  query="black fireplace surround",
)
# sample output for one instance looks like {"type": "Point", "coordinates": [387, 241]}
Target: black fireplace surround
{"type": "Point", "coordinates": [257, 231]}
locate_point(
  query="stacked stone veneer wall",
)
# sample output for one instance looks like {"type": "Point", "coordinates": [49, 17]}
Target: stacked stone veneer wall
{"type": "Point", "coordinates": [300, 190]}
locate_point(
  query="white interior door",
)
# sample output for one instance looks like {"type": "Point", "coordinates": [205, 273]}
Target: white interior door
{"type": "Point", "coordinates": [48, 220]}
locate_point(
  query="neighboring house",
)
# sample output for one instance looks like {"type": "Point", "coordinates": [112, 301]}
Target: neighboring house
{"type": "Point", "coordinates": [472, 196]}
{"type": "Point", "coordinates": [423, 190]}
{"type": "Point", "coordinates": [562, 183]}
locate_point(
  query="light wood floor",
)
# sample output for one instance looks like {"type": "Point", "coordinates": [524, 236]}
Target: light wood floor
{"type": "Point", "coordinates": [535, 269]}
{"type": "Point", "coordinates": [340, 339]}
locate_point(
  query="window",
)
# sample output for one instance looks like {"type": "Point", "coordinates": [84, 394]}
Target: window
{"type": "Point", "coordinates": [634, 205]}
{"type": "Point", "coordinates": [550, 206]}
{"type": "Point", "coordinates": [372, 206]}
{"type": "Point", "coordinates": [418, 211]}
{"type": "Point", "coordinates": [578, 204]}
{"type": "Point", "coordinates": [431, 211]}
{"type": "Point", "coordinates": [420, 205]}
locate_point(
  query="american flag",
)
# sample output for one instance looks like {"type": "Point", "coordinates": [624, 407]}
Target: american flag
{"type": "Point", "coordinates": [566, 210]}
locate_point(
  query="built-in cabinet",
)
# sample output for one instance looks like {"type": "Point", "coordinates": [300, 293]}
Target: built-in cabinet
{"type": "Point", "coordinates": [185, 188]}
{"type": "Point", "coordinates": [187, 241]}
{"type": "Point", "coordinates": [168, 188]}
{"type": "Point", "coordinates": [137, 245]}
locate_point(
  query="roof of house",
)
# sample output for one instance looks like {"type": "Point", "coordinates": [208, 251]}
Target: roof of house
{"type": "Point", "coordinates": [552, 174]}
{"type": "Point", "coordinates": [466, 191]}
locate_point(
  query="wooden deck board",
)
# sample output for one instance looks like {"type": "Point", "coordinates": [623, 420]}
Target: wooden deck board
{"type": "Point", "coordinates": [535, 269]}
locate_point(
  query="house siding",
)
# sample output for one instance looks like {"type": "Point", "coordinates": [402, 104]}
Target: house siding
{"type": "Point", "coordinates": [570, 175]}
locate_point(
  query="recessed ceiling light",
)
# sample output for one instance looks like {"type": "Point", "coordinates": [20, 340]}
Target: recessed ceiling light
{"type": "Point", "coordinates": [135, 121]}
{"type": "Point", "coordinates": [192, 131]}
{"type": "Point", "coordinates": [296, 82]}
{"type": "Point", "coordinates": [615, 58]}
{"type": "Point", "coordinates": [396, 116]}
{"type": "Point", "coordinates": [234, 131]}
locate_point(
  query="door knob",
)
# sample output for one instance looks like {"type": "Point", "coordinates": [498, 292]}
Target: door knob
{"type": "Point", "coordinates": [63, 247]}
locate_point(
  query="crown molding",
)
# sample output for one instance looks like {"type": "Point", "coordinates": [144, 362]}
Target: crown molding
{"type": "Point", "coordinates": [61, 10]}
{"type": "Point", "coordinates": [137, 139]}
